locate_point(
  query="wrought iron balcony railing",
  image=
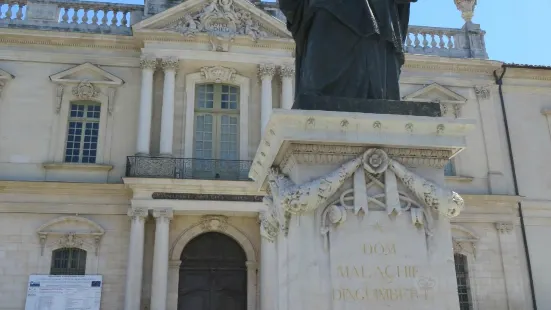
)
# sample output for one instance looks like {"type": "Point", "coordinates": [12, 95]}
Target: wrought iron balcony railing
{"type": "Point", "coordinates": [187, 168]}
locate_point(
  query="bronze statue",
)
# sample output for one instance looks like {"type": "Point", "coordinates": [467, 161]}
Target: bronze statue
{"type": "Point", "coordinates": [347, 48]}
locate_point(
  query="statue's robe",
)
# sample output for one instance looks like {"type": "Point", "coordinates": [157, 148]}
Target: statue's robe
{"type": "Point", "coordinates": [348, 48]}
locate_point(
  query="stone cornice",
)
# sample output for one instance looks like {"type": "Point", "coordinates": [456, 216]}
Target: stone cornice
{"type": "Point", "coordinates": [491, 200]}
{"type": "Point", "coordinates": [71, 39]}
{"type": "Point", "coordinates": [63, 188]}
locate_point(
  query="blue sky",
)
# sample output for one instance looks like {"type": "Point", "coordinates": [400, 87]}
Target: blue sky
{"type": "Point", "coordinates": [516, 30]}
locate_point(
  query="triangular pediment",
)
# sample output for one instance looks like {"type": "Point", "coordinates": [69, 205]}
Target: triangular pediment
{"type": "Point", "coordinates": [86, 72]}
{"type": "Point", "coordinates": [218, 18]}
{"type": "Point", "coordinates": [436, 93]}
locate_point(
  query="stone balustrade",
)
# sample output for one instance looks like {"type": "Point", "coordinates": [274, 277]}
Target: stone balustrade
{"type": "Point", "coordinates": [466, 42]}
{"type": "Point", "coordinates": [116, 18]}
{"type": "Point", "coordinates": [73, 15]}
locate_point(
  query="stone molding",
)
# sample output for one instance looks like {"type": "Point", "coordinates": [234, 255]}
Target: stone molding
{"type": "Point", "coordinates": [81, 230]}
{"type": "Point", "coordinates": [170, 63]}
{"type": "Point", "coordinates": [335, 154]}
{"type": "Point", "coordinates": [504, 227]}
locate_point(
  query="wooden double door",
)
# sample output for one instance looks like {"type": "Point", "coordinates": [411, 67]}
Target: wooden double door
{"type": "Point", "coordinates": [213, 274]}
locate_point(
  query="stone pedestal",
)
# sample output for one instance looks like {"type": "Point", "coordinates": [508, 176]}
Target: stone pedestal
{"type": "Point", "coordinates": [356, 211]}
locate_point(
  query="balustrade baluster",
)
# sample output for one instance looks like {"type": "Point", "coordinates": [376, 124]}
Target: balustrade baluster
{"type": "Point", "coordinates": [425, 41]}
{"type": "Point", "coordinates": [408, 40]}
{"type": "Point", "coordinates": [115, 20]}
{"type": "Point", "coordinates": [75, 14]}
{"type": "Point", "coordinates": [450, 41]}
{"type": "Point", "coordinates": [433, 43]}
{"type": "Point", "coordinates": [95, 16]}
{"type": "Point", "coordinates": [124, 21]}
{"type": "Point", "coordinates": [19, 14]}
{"type": "Point", "coordinates": [442, 44]}
{"type": "Point", "coordinates": [8, 12]}
{"type": "Point", "coordinates": [416, 42]}
{"type": "Point", "coordinates": [104, 18]}
{"type": "Point", "coordinates": [85, 15]}
{"type": "Point", "coordinates": [65, 16]}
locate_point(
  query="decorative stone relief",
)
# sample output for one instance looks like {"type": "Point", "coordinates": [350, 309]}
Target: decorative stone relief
{"type": "Point", "coordinates": [482, 92]}
{"type": "Point", "coordinates": [222, 21]}
{"type": "Point", "coordinates": [287, 71]}
{"type": "Point", "coordinates": [218, 74]}
{"type": "Point", "coordinates": [337, 154]}
{"type": "Point", "coordinates": [288, 198]}
{"type": "Point", "coordinates": [504, 227]}
{"type": "Point", "coordinates": [85, 91]}
{"type": "Point", "coordinates": [266, 70]}
{"type": "Point", "coordinates": [467, 9]}
{"type": "Point", "coordinates": [59, 98]}
{"type": "Point", "coordinates": [169, 63]}
{"type": "Point", "coordinates": [148, 62]}
{"type": "Point", "coordinates": [213, 223]}
{"type": "Point", "coordinates": [464, 246]}
{"type": "Point", "coordinates": [111, 92]}
{"type": "Point", "coordinates": [72, 231]}
{"type": "Point", "coordinates": [70, 240]}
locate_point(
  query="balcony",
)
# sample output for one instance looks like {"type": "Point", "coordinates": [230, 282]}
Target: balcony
{"type": "Point", "coordinates": [187, 168]}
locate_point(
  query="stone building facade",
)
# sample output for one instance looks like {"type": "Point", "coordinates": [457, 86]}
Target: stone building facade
{"type": "Point", "coordinates": [127, 134]}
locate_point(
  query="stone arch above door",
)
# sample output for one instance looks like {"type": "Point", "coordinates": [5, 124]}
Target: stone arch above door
{"type": "Point", "coordinates": [212, 223]}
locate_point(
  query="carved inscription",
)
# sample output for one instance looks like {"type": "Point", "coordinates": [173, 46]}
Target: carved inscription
{"type": "Point", "coordinates": [370, 282]}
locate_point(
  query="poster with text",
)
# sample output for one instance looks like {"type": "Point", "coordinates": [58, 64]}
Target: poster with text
{"type": "Point", "coordinates": [67, 292]}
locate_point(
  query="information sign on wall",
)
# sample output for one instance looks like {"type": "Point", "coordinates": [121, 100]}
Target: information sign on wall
{"type": "Point", "coordinates": [68, 292]}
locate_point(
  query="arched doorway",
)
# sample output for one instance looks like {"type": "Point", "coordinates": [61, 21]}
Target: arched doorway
{"type": "Point", "coordinates": [213, 274]}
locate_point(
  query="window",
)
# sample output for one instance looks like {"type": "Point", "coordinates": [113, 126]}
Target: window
{"type": "Point", "coordinates": [68, 261]}
{"type": "Point", "coordinates": [462, 276]}
{"type": "Point", "coordinates": [82, 132]}
{"type": "Point", "coordinates": [216, 137]}
{"type": "Point", "coordinates": [449, 169]}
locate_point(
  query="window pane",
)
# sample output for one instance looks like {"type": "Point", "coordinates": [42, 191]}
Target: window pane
{"type": "Point", "coordinates": [82, 132]}
{"type": "Point", "coordinates": [204, 95]}
{"type": "Point", "coordinates": [68, 261]}
{"type": "Point", "coordinates": [203, 136]}
{"type": "Point", "coordinates": [228, 137]}
{"type": "Point", "coordinates": [462, 276]}
{"type": "Point", "coordinates": [228, 97]}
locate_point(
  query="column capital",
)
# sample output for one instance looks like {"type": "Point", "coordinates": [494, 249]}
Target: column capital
{"type": "Point", "coordinates": [164, 213]}
{"type": "Point", "coordinates": [504, 227]}
{"type": "Point", "coordinates": [148, 62]}
{"type": "Point", "coordinates": [139, 213]}
{"type": "Point", "coordinates": [287, 70]}
{"type": "Point", "coordinates": [169, 63]}
{"type": "Point", "coordinates": [266, 70]}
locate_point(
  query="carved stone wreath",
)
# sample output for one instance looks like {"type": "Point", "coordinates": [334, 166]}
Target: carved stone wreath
{"type": "Point", "coordinates": [222, 21]}
{"type": "Point", "coordinates": [85, 90]}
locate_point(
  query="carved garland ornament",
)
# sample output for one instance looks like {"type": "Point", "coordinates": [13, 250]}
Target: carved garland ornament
{"type": "Point", "coordinates": [288, 198]}
{"type": "Point", "coordinates": [218, 74]}
{"type": "Point", "coordinates": [222, 21]}
{"type": "Point", "coordinates": [85, 91]}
